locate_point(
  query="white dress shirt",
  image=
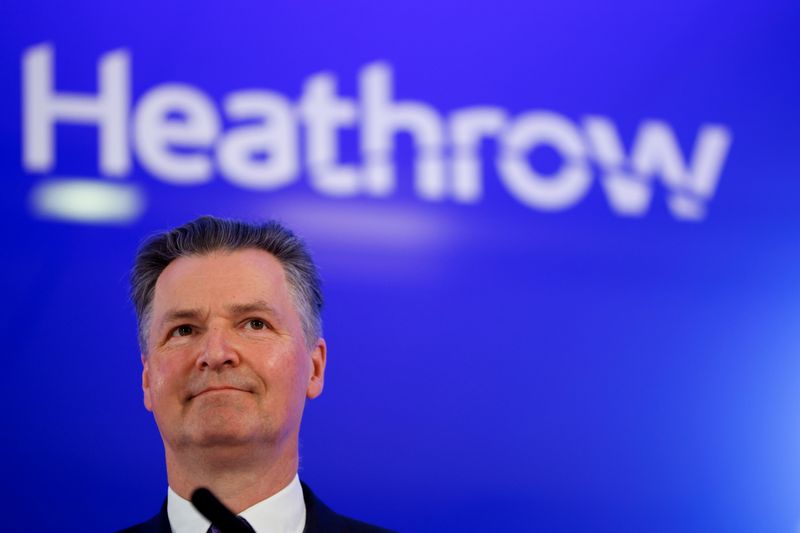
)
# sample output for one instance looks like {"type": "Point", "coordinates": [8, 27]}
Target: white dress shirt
{"type": "Point", "coordinates": [283, 512]}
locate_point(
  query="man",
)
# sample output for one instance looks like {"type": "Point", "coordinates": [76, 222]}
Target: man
{"type": "Point", "coordinates": [230, 336]}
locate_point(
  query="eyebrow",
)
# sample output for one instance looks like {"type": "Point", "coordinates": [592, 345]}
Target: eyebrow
{"type": "Point", "coordinates": [176, 315]}
{"type": "Point", "coordinates": [256, 306]}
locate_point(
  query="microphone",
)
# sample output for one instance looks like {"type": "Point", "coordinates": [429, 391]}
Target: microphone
{"type": "Point", "coordinates": [219, 515]}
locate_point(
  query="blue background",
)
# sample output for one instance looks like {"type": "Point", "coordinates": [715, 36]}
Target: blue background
{"type": "Point", "coordinates": [492, 367]}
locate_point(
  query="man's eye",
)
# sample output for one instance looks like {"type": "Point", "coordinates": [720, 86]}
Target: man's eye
{"type": "Point", "coordinates": [256, 324]}
{"type": "Point", "coordinates": [182, 331]}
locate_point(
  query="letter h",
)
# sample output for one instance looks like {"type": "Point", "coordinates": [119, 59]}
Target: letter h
{"type": "Point", "coordinates": [43, 107]}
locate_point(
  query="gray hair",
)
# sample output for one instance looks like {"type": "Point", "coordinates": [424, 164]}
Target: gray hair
{"type": "Point", "coordinates": [208, 234]}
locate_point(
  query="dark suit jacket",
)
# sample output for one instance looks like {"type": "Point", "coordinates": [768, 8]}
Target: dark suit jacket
{"type": "Point", "coordinates": [319, 519]}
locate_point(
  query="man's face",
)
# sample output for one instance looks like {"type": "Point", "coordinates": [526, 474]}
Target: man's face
{"type": "Point", "coordinates": [227, 363]}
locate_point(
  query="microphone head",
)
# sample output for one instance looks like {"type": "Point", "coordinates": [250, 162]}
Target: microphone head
{"type": "Point", "coordinates": [202, 498]}
{"type": "Point", "coordinates": [209, 506]}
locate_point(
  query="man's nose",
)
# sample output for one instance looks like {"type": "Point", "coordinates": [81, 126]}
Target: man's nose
{"type": "Point", "coordinates": [218, 350]}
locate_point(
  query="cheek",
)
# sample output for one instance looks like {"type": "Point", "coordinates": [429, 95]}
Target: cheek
{"type": "Point", "coordinates": [164, 380]}
{"type": "Point", "coordinates": [288, 372]}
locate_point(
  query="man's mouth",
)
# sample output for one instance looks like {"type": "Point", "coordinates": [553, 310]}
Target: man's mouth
{"type": "Point", "coordinates": [217, 390]}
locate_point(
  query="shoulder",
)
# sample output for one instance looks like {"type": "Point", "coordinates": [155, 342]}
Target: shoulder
{"type": "Point", "coordinates": [158, 524]}
{"type": "Point", "coordinates": [320, 517]}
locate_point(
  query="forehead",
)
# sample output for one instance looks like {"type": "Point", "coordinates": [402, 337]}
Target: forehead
{"type": "Point", "coordinates": [221, 277]}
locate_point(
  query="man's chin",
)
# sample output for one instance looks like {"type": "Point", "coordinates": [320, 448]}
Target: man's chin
{"type": "Point", "coordinates": [220, 440]}
{"type": "Point", "coordinates": [221, 428]}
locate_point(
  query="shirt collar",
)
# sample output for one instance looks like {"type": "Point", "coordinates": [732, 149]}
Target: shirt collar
{"type": "Point", "coordinates": [283, 512]}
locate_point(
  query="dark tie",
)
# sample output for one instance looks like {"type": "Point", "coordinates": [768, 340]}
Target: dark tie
{"type": "Point", "coordinates": [215, 529]}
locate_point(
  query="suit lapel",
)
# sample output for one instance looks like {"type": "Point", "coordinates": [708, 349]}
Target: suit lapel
{"type": "Point", "coordinates": [161, 520]}
{"type": "Point", "coordinates": [319, 517]}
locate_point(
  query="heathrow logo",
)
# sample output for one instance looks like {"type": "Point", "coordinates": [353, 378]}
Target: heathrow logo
{"type": "Point", "coordinates": [176, 133]}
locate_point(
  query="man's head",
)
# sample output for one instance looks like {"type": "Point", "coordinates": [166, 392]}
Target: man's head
{"type": "Point", "coordinates": [229, 327]}
{"type": "Point", "coordinates": [208, 234]}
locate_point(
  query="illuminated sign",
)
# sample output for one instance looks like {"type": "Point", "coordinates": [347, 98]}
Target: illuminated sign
{"type": "Point", "coordinates": [176, 133]}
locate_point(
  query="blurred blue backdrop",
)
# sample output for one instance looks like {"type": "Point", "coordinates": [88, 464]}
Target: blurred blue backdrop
{"type": "Point", "coordinates": [511, 348]}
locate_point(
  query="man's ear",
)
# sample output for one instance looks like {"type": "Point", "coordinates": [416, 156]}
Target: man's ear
{"type": "Point", "coordinates": [316, 380]}
{"type": "Point", "coordinates": [148, 404]}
